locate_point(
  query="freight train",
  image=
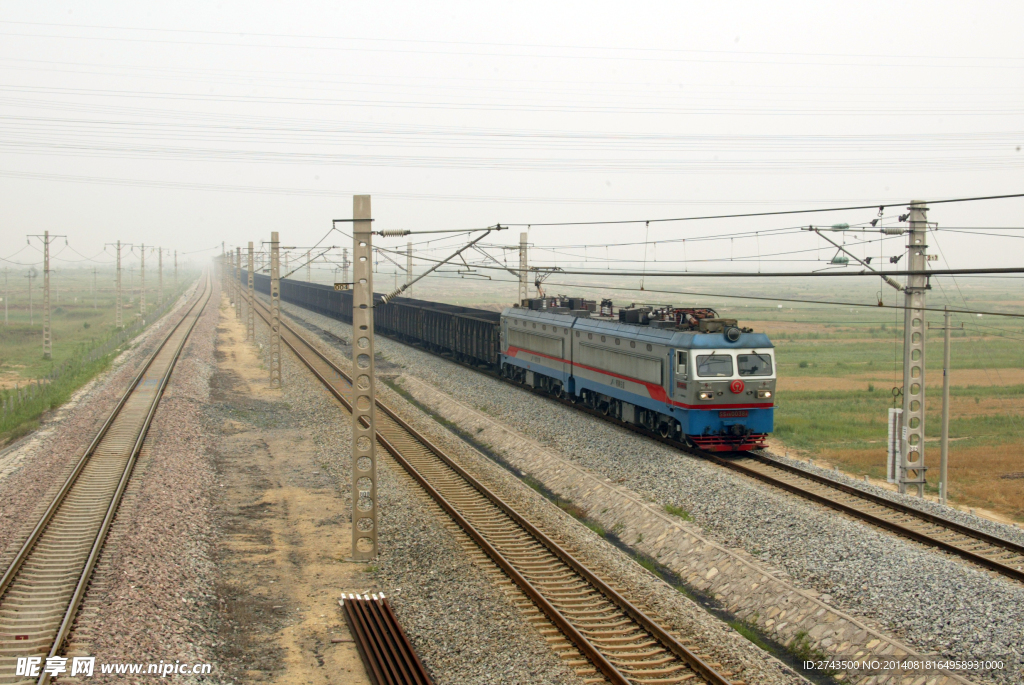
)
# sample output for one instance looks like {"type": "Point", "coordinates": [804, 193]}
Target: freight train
{"type": "Point", "coordinates": [685, 373]}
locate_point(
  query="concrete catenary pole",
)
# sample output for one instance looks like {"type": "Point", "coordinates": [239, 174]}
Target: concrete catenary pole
{"type": "Point", "coordinates": [120, 309]}
{"type": "Point", "coordinates": [944, 447]}
{"type": "Point", "coordinates": [275, 311]}
{"type": "Point", "coordinates": [912, 471]}
{"type": "Point", "coordinates": [364, 463]}
{"type": "Point", "coordinates": [142, 283]}
{"type": "Point", "coordinates": [250, 317]}
{"type": "Point", "coordinates": [238, 283]}
{"type": "Point", "coordinates": [47, 330]}
{"type": "Point", "coordinates": [524, 283]}
{"type": "Point", "coordinates": [344, 266]}
{"type": "Point", "coordinates": [408, 269]}
{"type": "Point", "coordinates": [47, 342]}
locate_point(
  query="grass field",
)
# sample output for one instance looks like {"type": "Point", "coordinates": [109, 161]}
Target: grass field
{"type": "Point", "coordinates": [82, 317]}
{"type": "Point", "coordinates": [837, 366]}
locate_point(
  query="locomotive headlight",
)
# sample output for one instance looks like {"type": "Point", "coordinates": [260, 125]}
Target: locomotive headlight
{"type": "Point", "coordinates": [764, 394]}
{"type": "Point", "coordinates": [707, 395]}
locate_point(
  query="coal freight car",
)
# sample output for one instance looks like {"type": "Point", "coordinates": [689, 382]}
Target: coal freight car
{"type": "Point", "coordinates": [683, 372]}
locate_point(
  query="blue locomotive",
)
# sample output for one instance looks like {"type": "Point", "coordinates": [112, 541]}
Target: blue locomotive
{"type": "Point", "coordinates": [685, 373]}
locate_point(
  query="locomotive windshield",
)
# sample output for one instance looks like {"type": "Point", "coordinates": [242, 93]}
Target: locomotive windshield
{"type": "Point", "coordinates": [754, 364]}
{"type": "Point", "coordinates": [714, 365]}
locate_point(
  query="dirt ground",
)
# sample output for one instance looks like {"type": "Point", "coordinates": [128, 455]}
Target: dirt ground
{"type": "Point", "coordinates": [284, 535]}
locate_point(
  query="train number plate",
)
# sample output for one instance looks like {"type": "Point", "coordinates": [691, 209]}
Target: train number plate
{"type": "Point", "coordinates": [732, 414]}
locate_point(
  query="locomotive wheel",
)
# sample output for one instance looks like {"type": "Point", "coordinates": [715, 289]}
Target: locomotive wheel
{"type": "Point", "coordinates": [664, 430]}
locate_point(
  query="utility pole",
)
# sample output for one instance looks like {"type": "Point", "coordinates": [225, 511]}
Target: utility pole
{"type": "Point", "coordinates": [118, 304]}
{"type": "Point", "coordinates": [344, 265]}
{"type": "Point", "coordinates": [309, 278]}
{"type": "Point", "coordinates": [275, 310]}
{"type": "Point", "coordinates": [912, 471]}
{"type": "Point", "coordinates": [142, 283]}
{"type": "Point", "coordinates": [408, 269]}
{"type": "Point", "coordinates": [524, 283]}
{"type": "Point", "coordinates": [364, 463]}
{"type": "Point", "coordinates": [250, 328]}
{"type": "Point", "coordinates": [47, 340]}
{"type": "Point", "coordinates": [238, 283]}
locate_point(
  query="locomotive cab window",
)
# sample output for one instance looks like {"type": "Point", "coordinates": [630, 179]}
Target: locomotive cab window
{"type": "Point", "coordinates": [681, 363]}
{"type": "Point", "coordinates": [754, 364]}
{"type": "Point", "coordinates": [714, 365]}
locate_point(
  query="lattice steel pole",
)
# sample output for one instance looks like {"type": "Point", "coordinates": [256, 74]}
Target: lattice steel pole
{"type": "Point", "coordinates": [250, 317]}
{"type": "Point", "coordinates": [912, 471]}
{"type": "Point", "coordinates": [364, 463]}
{"type": "Point", "coordinates": [238, 283]}
{"type": "Point", "coordinates": [524, 283]}
{"type": "Point", "coordinates": [275, 311]}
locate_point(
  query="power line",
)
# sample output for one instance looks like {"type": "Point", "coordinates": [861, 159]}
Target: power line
{"type": "Point", "coordinates": [757, 214]}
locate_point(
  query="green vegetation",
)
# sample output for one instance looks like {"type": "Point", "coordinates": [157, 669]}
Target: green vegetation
{"type": "Point", "coordinates": [744, 629]}
{"type": "Point", "coordinates": [678, 511]}
{"type": "Point", "coordinates": [84, 341]}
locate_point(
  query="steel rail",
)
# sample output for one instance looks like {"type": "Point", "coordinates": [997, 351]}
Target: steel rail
{"type": "Point", "coordinates": [28, 547]}
{"type": "Point", "coordinates": [587, 648]}
{"type": "Point", "coordinates": [385, 648]}
{"type": "Point", "coordinates": [115, 502]}
{"type": "Point", "coordinates": [880, 521]}
{"type": "Point", "coordinates": [12, 570]}
{"type": "Point", "coordinates": [896, 507]}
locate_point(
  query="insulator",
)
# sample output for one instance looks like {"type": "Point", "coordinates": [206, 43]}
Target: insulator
{"type": "Point", "coordinates": [893, 230]}
{"type": "Point", "coordinates": [391, 295]}
{"type": "Point", "coordinates": [393, 233]}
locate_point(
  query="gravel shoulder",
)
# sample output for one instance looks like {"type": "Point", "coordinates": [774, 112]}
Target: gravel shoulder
{"type": "Point", "coordinates": [928, 599]}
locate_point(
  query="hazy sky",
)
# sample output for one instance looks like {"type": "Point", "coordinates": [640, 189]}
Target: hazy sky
{"type": "Point", "coordinates": [184, 124]}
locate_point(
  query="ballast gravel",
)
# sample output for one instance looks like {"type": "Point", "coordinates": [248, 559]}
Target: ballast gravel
{"type": "Point", "coordinates": [715, 640]}
{"type": "Point", "coordinates": [152, 598]}
{"type": "Point", "coordinates": [931, 600]}
{"type": "Point", "coordinates": [464, 629]}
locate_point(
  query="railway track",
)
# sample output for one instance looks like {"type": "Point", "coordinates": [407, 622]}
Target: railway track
{"type": "Point", "coordinates": [991, 552]}
{"type": "Point", "coordinates": [593, 628]}
{"type": "Point", "coordinates": [988, 551]}
{"type": "Point", "coordinates": [42, 588]}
